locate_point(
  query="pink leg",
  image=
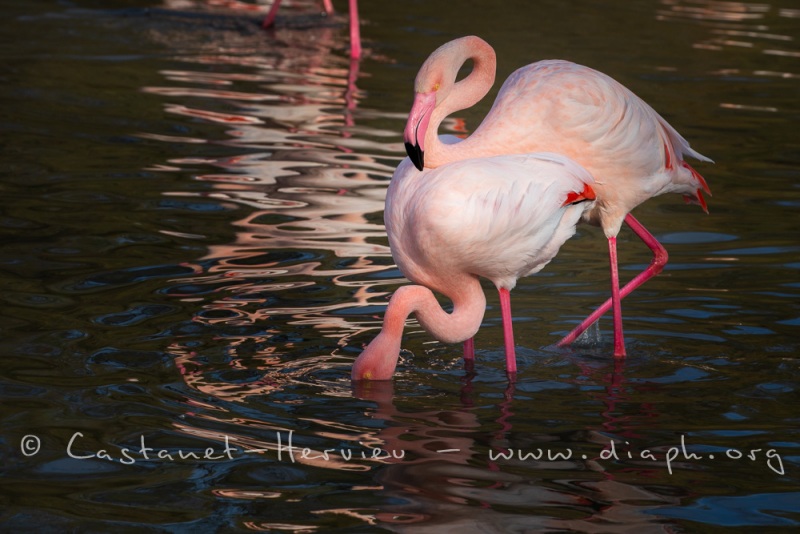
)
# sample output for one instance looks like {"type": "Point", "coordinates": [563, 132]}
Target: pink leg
{"type": "Point", "coordinates": [355, 29]}
{"type": "Point", "coordinates": [508, 331]}
{"type": "Point", "coordinates": [355, 33]}
{"type": "Point", "coordinates": [616, 300]}
{"type": "Point", "coordinates": [656, 266]}
{"type": "Point", "coordinates": [273, 12]}
{"type": "Point", "coordinates": [469, 350]}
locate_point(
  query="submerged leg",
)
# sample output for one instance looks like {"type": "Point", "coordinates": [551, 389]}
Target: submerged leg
{"type": "Point", "coordinates": [469, 350]}
{"type": "Point", "coordinates": [469, 354]}
{"type": "Point", "coordinates": [269, 20]}
{"type": "Point", "coordinates": [660, 257]}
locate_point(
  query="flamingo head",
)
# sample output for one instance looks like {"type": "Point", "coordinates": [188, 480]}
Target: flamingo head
{"type": "Point", "coordinates": [432, 85]}
{"type": "Point", "coordinates": [379, 360]}
{"type": "Point", "coordinates": [437, 81]}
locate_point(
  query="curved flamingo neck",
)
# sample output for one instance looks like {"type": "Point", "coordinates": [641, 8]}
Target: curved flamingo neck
{"type": "Point", "coordinates": [461, 95]}
{"type": "Point", "coordinates": [469, 306]}
{"type": "Point", "coordinates": [379, 359]}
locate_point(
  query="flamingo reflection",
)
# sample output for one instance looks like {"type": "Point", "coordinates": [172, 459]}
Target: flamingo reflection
{"type": "Point", "coordinates": [448, 479]}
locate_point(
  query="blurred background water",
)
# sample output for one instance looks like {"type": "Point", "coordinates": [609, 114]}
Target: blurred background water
{"type": "Point", "coordinates": [193, 255]}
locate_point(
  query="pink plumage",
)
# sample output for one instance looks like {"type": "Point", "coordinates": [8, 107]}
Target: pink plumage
{"type": "Point", "coordinates": [499, 218]}
{"type": "Point", "coordinates": [559, 106]}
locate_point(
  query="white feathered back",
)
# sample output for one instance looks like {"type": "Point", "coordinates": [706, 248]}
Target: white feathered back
{"type": "Point", "coordinates": [500, 218]}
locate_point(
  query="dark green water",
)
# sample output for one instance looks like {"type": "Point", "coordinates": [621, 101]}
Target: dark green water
{"type": "Point", "coordinates": [193, 256]}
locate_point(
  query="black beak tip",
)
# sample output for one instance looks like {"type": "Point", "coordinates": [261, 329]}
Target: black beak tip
{"type": "Point", "coordinates": [416, 155]}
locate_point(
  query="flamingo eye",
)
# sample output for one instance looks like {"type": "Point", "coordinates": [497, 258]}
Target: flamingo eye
{"type": "Point", "coordinates": [436, 86]}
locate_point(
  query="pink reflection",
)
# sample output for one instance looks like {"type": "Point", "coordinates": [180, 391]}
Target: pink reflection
{"type": "Point", "coordinates": [307, 189]}
{"type": "Point", "coordinates": [206, 93]}
{"type": "Point", "coordinates": [446, 479]}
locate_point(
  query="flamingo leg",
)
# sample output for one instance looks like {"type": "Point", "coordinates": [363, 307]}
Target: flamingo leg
{"type": "Point", "coordinates": [355, 32]}
{"type": "Point", "coordinates": [469, 354]}
{"type": "Point", "coordinates": [469, 350]}
{"type": "Point", "coordinates": [660, 258]}
{"type": "Point", "coordinates": [269, 20]}
{"type": "Point", "coordinates": [616, 300]}
{"type": "Point", "coordinates": [355, 29]}
{"type": "Point", "coordinates": [508, 331]}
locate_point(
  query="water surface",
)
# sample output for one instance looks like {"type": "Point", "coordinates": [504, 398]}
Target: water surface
{"type": "Point", "coordinates": [193, 255]}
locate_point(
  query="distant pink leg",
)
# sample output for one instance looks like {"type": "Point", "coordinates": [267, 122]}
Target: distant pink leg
{"type": "Point", "coordinates": [355, 32]}
{"type": "Point", "coordinates": [273, 12]}
{"type": "Point", "coordinates": [660, 257]}
{"type": "Point", "coordinates": [508, 331]}
{"type": "Point", "coordinates": [328, 6]}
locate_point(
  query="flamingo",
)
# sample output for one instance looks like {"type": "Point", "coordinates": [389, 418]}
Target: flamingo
{"type": "Point", "coordinates": [499, 218]}
{"type": "Point", "coordinates": [355, 35]}
{"type": "Point", "coordinates": [559, 106]}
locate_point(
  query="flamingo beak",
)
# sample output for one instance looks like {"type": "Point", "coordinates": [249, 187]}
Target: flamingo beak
{"type": "Point", "coordinates": [417, 127]}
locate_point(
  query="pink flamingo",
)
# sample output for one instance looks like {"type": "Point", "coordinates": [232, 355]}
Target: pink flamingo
{"type": "Point", "coordinates": [558, 106]}
{"type": "Point", "coordinates": [355, 35]}
{"type": "Point", "coordinates": [500, 218]}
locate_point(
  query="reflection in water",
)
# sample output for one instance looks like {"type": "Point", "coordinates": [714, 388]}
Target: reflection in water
{"type": "Point", "coordinates": [307, 198]}
{"type": "Point", "coordinates": [310, 208]}
{"type": "Point", "coordinates": [746, 30]}
{"type": "Point", "coordinates": [253, 247]}
{"type": "Point", "coordinates": [277, 141]}
{"type": "Point", "coordinates": [743, 25]}
{"type": "Point", "coordinates": [455, 475]}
